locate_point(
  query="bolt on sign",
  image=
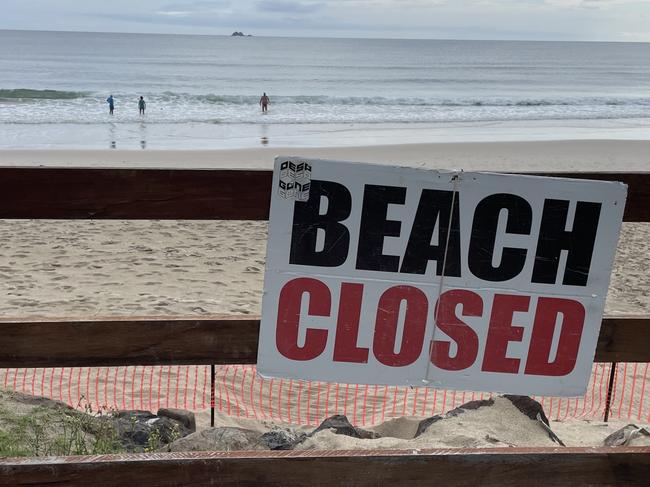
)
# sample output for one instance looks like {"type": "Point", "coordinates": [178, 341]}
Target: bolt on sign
{"type": "Point", "coordinates": [463, 280]}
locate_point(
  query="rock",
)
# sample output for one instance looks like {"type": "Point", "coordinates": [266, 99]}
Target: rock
{"type": "Point", "coordinates": [534, 410]}
{"type": "Point", "coordinates": [218, 439]}
{"type": "Point", "coordinates": [170, 430]}
{"type": "Point", "coordinates": [186, 418]}
{"type": "Point", "coordinates": [135, 429]}
{"type": "Point", "coordinates": [39, 401]}
{"type": "Point", "coordinates": [425, 423]}
{"type": "Point", "coordinates": [340, 425]}
{"type": "Point", "coordinates": [403, 428]}
{"type": "Point", "coordinates": [489, 422]}
{"type": "Point", "coordinates": [528, 406]}
{"type": "Point", "coordinates": [468, 406]}
{"type": "Point", "coordinates": [548, 430]}
{"type": "Point", "coordinates": [281, 439]}
{"type": "Point", "coordinates": [134, 415]}
{"type": "Point", "coordinates": [237, 34]}
{"type": "Point", "coordinates": [627, 435]}
{"type": "Point", "coordinates": [132, 428]}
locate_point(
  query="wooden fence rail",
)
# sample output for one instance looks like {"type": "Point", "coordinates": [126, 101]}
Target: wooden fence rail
{"type": "Point", "coordinates": [207, 340]}
{"type": "Point", "coordinates": [189, 194]}
{"type": "Point", "coordinates": [495, 467]}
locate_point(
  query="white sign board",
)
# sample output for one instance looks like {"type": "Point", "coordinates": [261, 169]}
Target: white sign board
{"type": "Point", "coordinates": [403, 276]}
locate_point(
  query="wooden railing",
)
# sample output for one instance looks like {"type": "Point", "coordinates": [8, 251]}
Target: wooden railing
{"type": "Point", "coordinates": [208, 340]}
{"type": "Point", "coordinates": [496, 467]}
{"type": "Point", "coordinates": [169, 194]}
{"type": "Point", "coordinates": [189, 194]}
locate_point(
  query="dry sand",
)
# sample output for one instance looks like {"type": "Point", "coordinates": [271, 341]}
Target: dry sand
{"type": "Point", "coordinates": [82, 268]}
{"type": "Point", "coordinates": [93, 268]}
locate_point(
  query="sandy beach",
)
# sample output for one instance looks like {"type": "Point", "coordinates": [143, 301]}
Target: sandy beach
{"type": "Point", "coordinates": [78, 268]}
{"type": "Point", "coordinates": [554, 155]}
{"type": "Point", "coordinates": [104, 268]}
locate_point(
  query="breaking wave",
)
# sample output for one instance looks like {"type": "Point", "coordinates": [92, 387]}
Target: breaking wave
{"type": "Point", "coordinates": [28, 94]}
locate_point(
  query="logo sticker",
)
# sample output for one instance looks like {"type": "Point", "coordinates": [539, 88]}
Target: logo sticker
{"type": "Point", "coordinates": [295, 180]}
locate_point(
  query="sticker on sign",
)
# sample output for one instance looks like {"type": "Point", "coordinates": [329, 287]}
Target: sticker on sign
{"type": "Point", "coordinates": [404, 276]}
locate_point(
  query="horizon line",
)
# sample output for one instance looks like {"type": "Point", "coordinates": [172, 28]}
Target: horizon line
{"type": "Point", "coordinates": [247, 35]}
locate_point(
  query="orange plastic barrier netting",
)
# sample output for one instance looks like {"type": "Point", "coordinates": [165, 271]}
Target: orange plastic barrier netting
{"type": "Point", "coordinates": [239, 392]}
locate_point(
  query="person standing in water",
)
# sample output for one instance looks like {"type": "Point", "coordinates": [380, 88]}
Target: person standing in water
{"type": "Point", "coordinates": [264, 102]}
{"type": "Point", "coordinates": [111, 104]}
{"type": "Point", "coordinates": [142, 105]}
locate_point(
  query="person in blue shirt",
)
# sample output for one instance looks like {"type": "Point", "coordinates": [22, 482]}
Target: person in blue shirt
{"type": "Point", "coordinates": [111, 104]}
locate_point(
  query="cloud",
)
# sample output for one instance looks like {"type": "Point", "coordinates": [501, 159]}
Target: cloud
{"type": "Point", "coordinates": [391, 4]}
{"type": "Point", "coordinates": [482, 19]}
{"type": "Point", "coordinates": [200, 7]}
{"type": "Point", "coordinates": [288, 6]}
{"type": "Point", "coordinates": [296, 6]}
{"type": "Point", "coordinates": [587, 3]}
{"type": "Point", "coordinates": [636, 36]}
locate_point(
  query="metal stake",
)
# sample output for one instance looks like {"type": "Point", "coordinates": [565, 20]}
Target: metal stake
{"type": "Point", "coordinates": [612, 375]}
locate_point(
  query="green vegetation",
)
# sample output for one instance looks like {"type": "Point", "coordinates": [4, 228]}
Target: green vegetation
{"type": "Point", "coordinates": [155, 441]}
{"type": "Point", "coordinates": [43, 431]}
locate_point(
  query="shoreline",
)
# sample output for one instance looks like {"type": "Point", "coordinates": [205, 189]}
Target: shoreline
{"type": "Point", "coordinates": [556, 155]}
{"type": "Point", "coordinates": [148, 133]}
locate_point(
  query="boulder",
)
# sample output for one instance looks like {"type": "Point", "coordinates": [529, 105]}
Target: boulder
{"type": "Point", "coordinates": [528, 406]}
{"type": "Point", "coordinates": [533, 410]}
{"type": "Point", "coordinates": [134, 415]}
{"type": "Point", "coordinates": [339, 425]}
{"type": "Point", "coordinates": [403, 428]}
{"type": "Point", "coordinates": [630, 435]}
{"type": "Point", "coordinates": [186, 418]}
{"type": "Point", "coordinates": [135, 429]}
{"type": "Point", "coordinates": [39, 401]}
{"type": "Point", "coordinates": [218, 439]}
{"type": "Point", "coordinates": [425, 423]}
{"type": "Point", "coordinates": [468, 406]}
{"type": "Point", "coordinates": [282, 439]}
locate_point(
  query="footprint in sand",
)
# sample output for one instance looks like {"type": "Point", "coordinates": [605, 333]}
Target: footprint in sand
{"type": "Point", "coordinates": [240, 311]}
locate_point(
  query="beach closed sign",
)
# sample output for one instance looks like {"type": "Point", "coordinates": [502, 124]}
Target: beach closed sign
{"type": "Point", "coordinates": [458, 280]}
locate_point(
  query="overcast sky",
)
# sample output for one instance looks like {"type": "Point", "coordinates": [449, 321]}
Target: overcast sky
{"type": "Point", "coordinates": [607, 20]}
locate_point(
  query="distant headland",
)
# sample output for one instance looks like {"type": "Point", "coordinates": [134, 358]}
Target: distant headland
{"type": "Point", "coordinates": [240, 34]}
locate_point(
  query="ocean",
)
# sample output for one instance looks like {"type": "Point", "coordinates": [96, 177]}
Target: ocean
{"type": "Point", "coordinates": [203, 91]}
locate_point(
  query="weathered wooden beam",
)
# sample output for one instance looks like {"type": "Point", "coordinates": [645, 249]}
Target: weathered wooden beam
{"type": "Point", "coordinates": [128, 341]}
{"type": "Point", "coordinates": [498, 467]}
{"type": "Point", "coordinates": [134, 194]}
{"type": "Point", "coordinates": [624, 339]}
{"type": "Point", "coordinates": [207, 340]}
{"type": "Point", "coordinates": [188, 194]}
{"type": "Point", "coordinates": [637, 207]}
